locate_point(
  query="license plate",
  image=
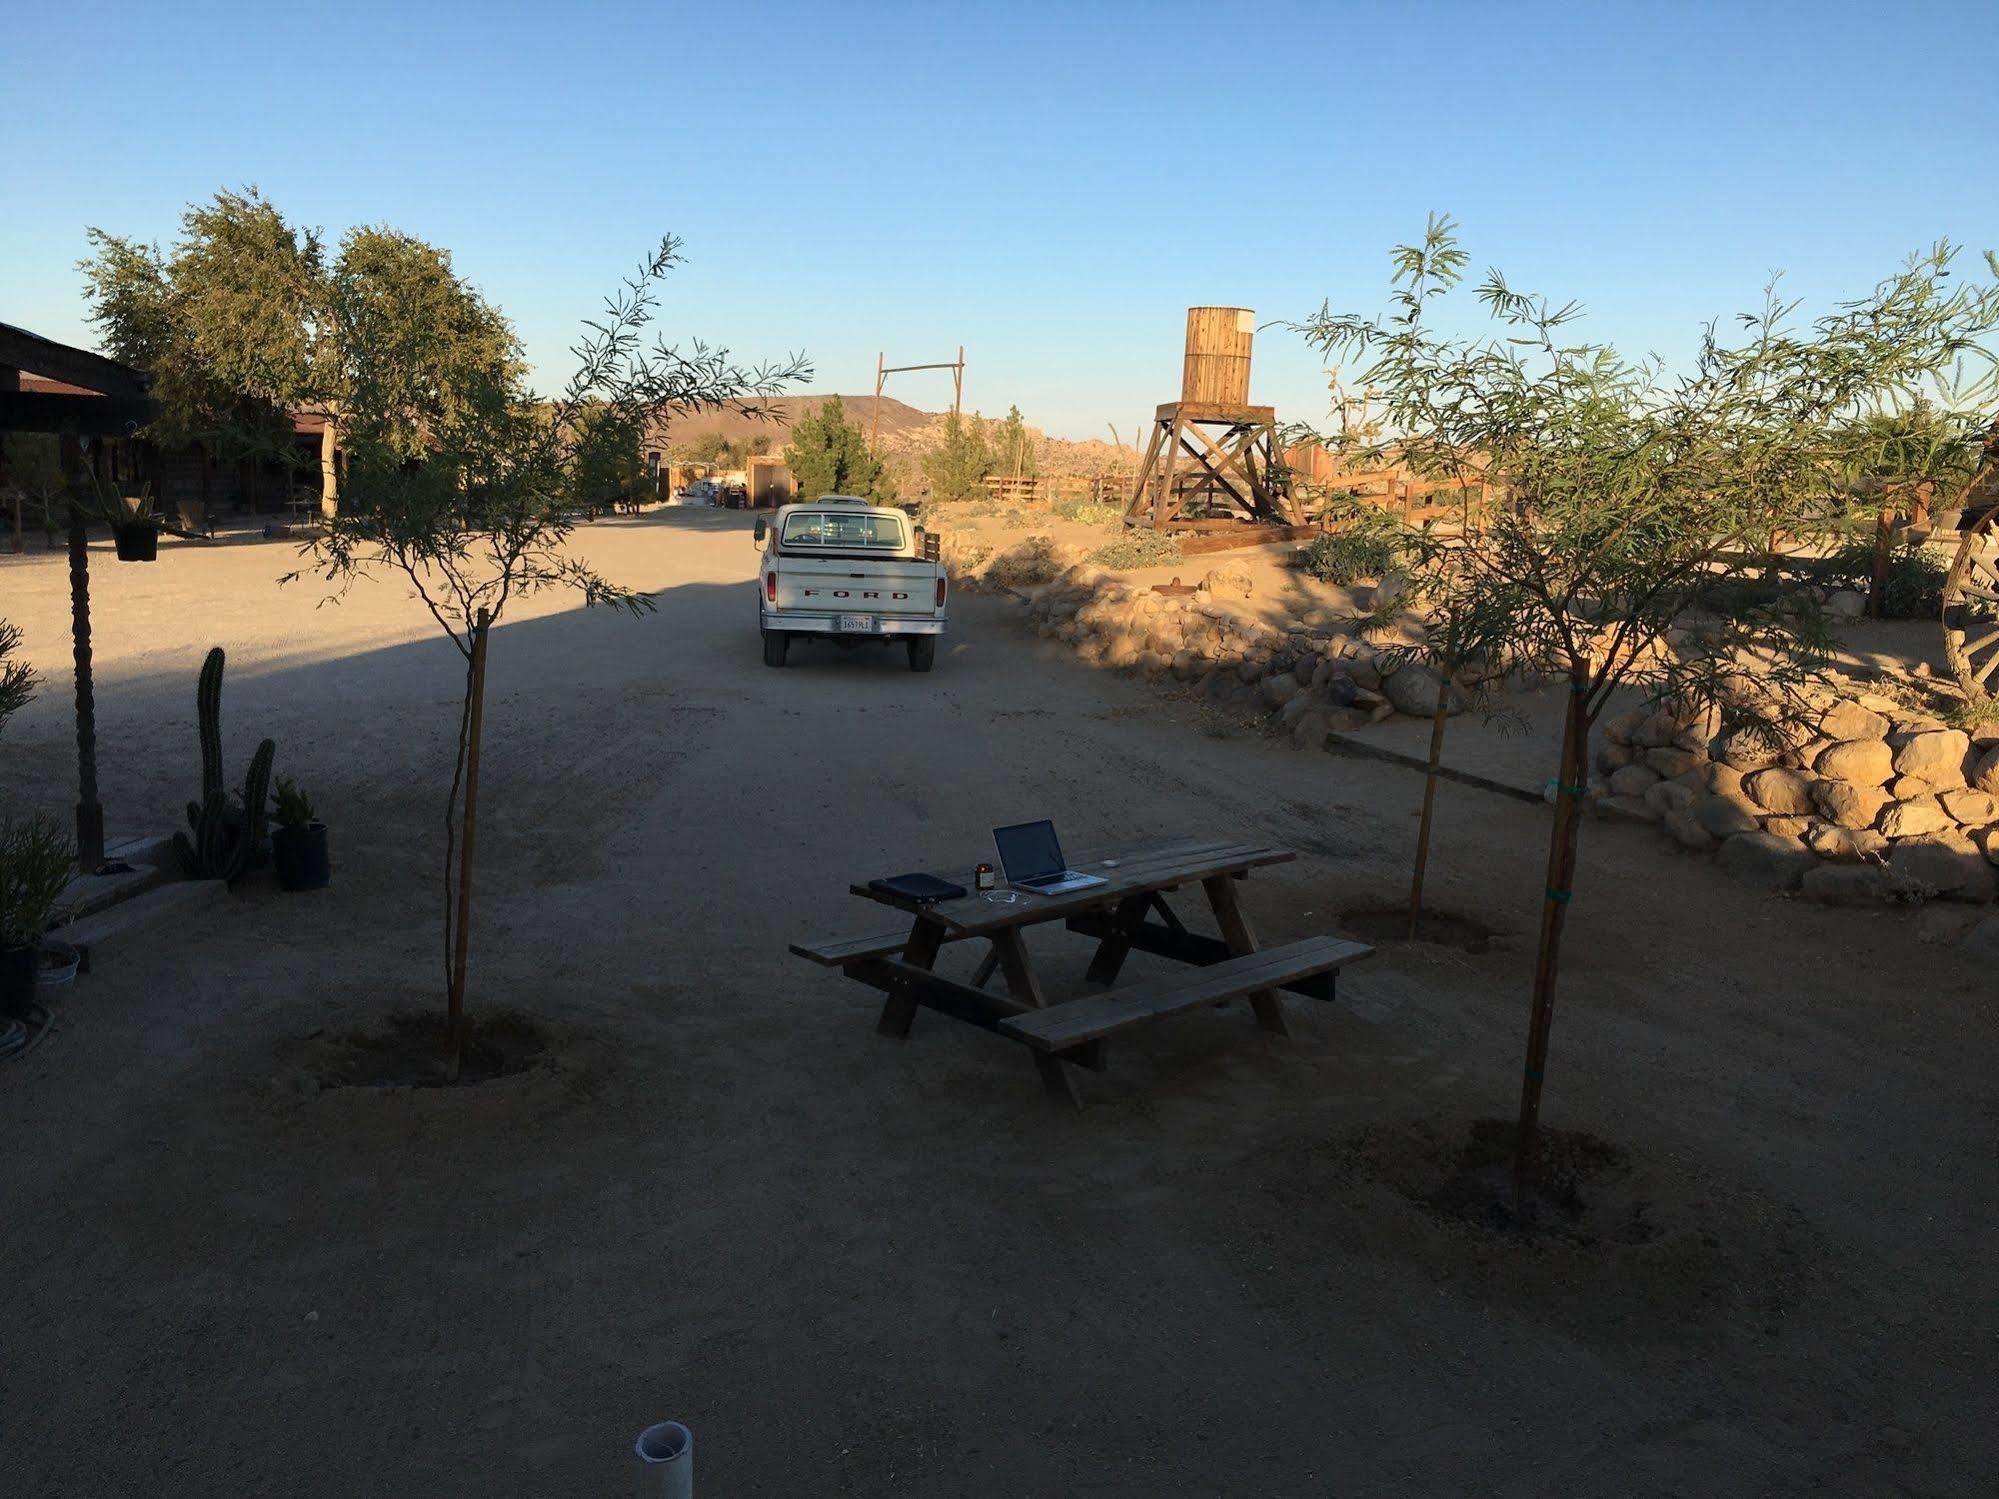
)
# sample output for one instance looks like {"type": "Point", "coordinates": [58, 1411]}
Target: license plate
{"type": "Point", "coordinates": [858, 624]}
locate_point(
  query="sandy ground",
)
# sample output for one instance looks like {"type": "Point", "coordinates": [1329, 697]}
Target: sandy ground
{"type": "Point", "coordinates": [863, 1267]}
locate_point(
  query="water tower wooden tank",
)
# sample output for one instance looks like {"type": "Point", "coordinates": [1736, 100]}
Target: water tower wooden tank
{"type": "Point", "coordinates": [1214, 468]}
{"type": "Point", "coordinates": [1216, 367]}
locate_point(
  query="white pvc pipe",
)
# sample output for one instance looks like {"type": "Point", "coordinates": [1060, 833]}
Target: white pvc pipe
{"type": "Point", "coordinates": [666, 1461]}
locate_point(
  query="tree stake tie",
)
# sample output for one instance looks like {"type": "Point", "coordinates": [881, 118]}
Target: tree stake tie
{"type": "Point", "coordinates": [1561, 896]}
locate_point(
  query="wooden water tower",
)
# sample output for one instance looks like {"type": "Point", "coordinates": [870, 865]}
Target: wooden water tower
{"type": "Point", "coordinates": [1214, 465]}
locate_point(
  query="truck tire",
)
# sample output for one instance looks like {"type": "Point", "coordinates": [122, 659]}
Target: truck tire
{"type": "Point", "coordinates": [922, 652]}
{"type": "Point", "coordinates": [776, 642]}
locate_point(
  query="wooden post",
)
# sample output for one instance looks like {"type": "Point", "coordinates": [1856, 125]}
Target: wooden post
{"type": "Point", "coordinates": [1554, 910]}
{"type": "Point", "coordinates": [875, 421]}
{"type": "Point", "coordinates": [1877, 591]}
{"type": "Point", "coordinates": [1165, 501]}
{"type": "Point", "coordinates": [89, 811]}
{"type": "Point", "coordinates": [1429, 800]}
{"type": "Point", "coordinates": [958, 383]}
{"type": "Point", "coordinates": [455, 1004]}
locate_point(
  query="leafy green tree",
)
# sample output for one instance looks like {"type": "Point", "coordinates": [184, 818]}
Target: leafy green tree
{"type": "Point", "coordinates": [482, 519]}
{"type": "Point", "coordinates": [247, 321]}
{"type": "Point", "coordinates": [958, 465]}
{"type": "Point", "coordinates": [828, 454]}
{"type": "Point", "coordinates": [1636, 506]}
{"type": "Point", "coordinates": [1012, 447]}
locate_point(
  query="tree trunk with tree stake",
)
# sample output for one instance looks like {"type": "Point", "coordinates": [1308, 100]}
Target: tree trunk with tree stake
{"type": "Point", "coordinates": [460, 927]}
{"type": "Point", "coordinates": [1554, 912]}
{"type": "Point", "coordinates": [1429, 802]}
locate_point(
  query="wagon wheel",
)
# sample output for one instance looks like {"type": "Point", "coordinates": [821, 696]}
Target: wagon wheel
{"type": "Point", "coordinates": [1971, 610]}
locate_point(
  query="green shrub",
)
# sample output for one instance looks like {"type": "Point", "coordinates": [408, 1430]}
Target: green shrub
{"type": "Point", "coordinates": [1137, 548]}
{"type": "Point", "coordinates": [1915, 578]}
{"type": "Point", "coordinates": [1347, 556]}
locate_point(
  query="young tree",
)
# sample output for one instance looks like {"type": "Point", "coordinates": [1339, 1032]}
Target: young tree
{"type": "Point", "coordinates": [482, 517]}
{"type": "Point", "coordinates": [828, 454]}
{"type": "Point", "coordinates": [1636, 506]}
{"type": "Point", "coordinates": [958, 465]}
{"type": "Point", "coordinates": [1012, 446]}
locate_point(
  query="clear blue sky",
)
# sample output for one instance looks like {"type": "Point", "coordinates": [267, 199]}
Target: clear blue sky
{"type": "Point", "coordinates": [1049, 184]}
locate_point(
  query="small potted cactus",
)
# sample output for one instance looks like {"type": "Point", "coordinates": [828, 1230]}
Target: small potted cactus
{"type": "Point", "coordinates": [299, 847]}
{"type": "Point", "coordinates": [134, 522]}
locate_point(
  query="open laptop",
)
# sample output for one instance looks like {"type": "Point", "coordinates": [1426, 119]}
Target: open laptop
{"type": "Point", "coordinates": [1031, 856]}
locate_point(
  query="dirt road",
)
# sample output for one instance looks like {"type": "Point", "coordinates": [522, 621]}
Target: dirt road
{"type": "Point", "coordinates": [858, 1267]}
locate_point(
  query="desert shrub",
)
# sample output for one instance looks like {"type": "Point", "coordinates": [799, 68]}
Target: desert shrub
{"type": "Point", "coordinates": [1035, 560]}
{"type": "Point", "coordinates": [1088, 513]}
{"type": "Point", "coordinates": [1137, 548]}
{"type": "Point", "coordinates": [1367, 546]}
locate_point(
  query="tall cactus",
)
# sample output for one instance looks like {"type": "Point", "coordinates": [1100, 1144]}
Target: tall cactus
{"type": "Point", "coordinates": [226, 830]}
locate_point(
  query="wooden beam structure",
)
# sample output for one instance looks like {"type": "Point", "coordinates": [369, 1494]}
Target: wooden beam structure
{"type": "Point", "coordinates": [1212, 462]}
{"type": "Point", "coordinates": [22, 350]}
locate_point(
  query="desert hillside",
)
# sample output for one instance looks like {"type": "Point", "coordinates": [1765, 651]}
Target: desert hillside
{"type": "Point", "coordinates": [906, 432]}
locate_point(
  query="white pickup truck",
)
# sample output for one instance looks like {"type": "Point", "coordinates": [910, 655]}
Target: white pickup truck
{"type": "Point", "coordinates": [840, 569]}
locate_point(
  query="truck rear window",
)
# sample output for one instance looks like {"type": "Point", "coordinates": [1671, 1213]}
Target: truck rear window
{"type": "Point", "coordinates": [832, 528]}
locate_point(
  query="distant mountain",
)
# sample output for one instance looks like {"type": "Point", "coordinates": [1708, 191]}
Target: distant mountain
{"type": "Point", "coordinates": [905, 432]}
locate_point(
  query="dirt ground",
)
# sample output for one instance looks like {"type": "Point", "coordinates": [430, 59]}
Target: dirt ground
{"type": "Point", "coordinates": [862, 1267]}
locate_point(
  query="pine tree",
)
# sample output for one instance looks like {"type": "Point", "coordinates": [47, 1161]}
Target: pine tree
{"type": "Point", "coordinates": [958, 466]}
{"type": "Point", "coordinates": [829, 455]}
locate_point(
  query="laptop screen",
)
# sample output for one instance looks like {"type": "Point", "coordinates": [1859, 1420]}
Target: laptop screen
{"type": "Point", "coordinates": [1028, 850]}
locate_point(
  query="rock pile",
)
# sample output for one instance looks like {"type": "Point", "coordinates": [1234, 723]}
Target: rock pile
{"type": "Point", "coordinates": [1315, 673]}
{"type": "Point", "coordinates": [1871, 805]}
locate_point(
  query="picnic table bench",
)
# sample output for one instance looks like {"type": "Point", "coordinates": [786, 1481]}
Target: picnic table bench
{"type": "Point", "coordinates": [1127, 913]}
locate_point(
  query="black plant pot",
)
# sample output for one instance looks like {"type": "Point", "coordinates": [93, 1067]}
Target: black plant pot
{"type": "Point", "coordinates": [303, 859]}
{"type": "Point", "coordinates": [18, 966]}
{"type": "Point", "coordinates": [138, 541]}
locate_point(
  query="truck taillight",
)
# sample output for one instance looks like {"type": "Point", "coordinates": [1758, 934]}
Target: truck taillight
{"type": "Point", "coordinates": [770, 587]}
{"type": "Point", "coordinates": [940, 593]}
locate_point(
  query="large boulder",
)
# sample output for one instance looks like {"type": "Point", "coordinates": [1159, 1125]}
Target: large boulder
{"type": "Point", "coordinates": [1937, 756]}
{"type": "Point", "coordinates": [1687, 829]}
{"type": "Point", "coordinates": [1950, 864]}
{"type": "Point", "coordinates": [1629, 808]}
{"type": "Point", "coordinates": [1779, 790]}
{"type": "Point", "coordinates": [1414, 689]}
{"type": "Point", "coordinates": [1847, 805]}
{"type": "Point", "coordinates": [1670, 760]}
{"type": "Point", "coordinates": [1864, 762]}
{"type": "Point", "coordinates": [1911, 819]}
{"type": "Point", "coordinates": [1765, 860]}
{"type": "Point", "coordinates": [1666, 797]}
{"type": "Point", "coordinates": [1228, 581]}
{"type": "Point", "coordinates": [1794, 828]}
{"type": "Point", "coordinates": [1745, 752]}
{"type": "Point", "coordinates": [1984, 772]}
{"type": "Point", "coordinates": [1848, 720]}
{"type": "Point", "coordinates": [1279, 689]}
{"type": "Point", "coordinates": [1972, 809]}
{"type": "Point", "coordinates": [1844, 845]}
{"type": "Point", "coordinates": [1849, 885]}
{"type": "Point", "coordinates": [1723, 816]}
{"type": "Point", "coordinates": [1632, 780]}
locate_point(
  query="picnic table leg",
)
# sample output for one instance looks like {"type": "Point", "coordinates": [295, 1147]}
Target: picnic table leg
{"type": "Point", "coordinates": [1241, 940]}
{"type": "Point", "coordinates": [926, 938]}
{"type": "Point", "coordinates": [1058, 1078]}
{"type": "Point", "coordinates": [987, 965]}
{"type": "Point", "coordinates": [1115, 946]}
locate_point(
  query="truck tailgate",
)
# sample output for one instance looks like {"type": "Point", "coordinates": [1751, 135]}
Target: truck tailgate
{"type": "Point", "coordinates": [856, 585]}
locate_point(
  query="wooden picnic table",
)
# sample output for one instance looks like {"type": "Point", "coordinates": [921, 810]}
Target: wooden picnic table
{"type": "Point", "coordinates": [1128, 911]}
